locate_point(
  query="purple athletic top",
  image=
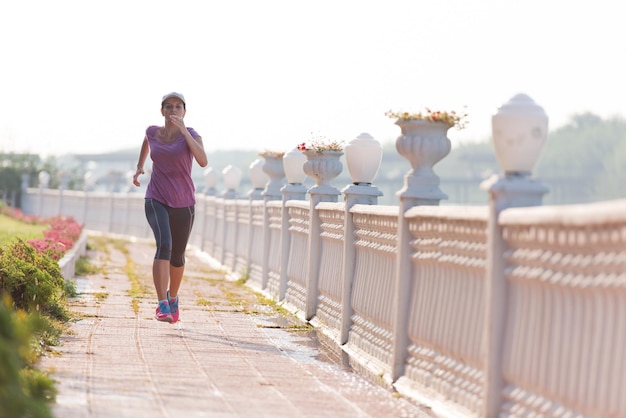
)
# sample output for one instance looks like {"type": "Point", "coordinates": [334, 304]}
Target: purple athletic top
{"type": "Point", "coordinates": [170, 182]}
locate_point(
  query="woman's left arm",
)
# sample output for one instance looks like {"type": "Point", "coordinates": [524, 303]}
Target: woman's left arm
{"type": "Point", "coordinates": [197, 148]}
{"type": "Point", "coordinates": [194, 144]}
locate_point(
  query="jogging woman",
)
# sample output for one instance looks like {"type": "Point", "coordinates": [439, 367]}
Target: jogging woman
{"type": "Point", "coordinates": [170, 198]}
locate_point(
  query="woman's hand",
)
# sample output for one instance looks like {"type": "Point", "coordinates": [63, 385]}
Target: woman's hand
{"type": "Point", "coordinates": [179, 123]}
{"type": "Point", "coordinates": [136, 176]}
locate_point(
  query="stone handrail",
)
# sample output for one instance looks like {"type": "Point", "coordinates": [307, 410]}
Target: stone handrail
{"type": "Point", "coordinates": [520, 311]}
{"type": "Point", "coordinates": [564, 350]}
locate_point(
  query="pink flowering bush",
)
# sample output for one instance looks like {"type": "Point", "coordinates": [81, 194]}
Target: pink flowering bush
{"type": "Point", "coordinates": [59, 238]}
{"type": "Point", "coordinates": [18, 215]}
{"type": "Point", "coordinates": [51, 248]}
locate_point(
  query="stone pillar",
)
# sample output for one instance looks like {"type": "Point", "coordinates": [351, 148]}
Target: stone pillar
{"type": "Point", "coordinates": [232, 178]}
{"type": "Point", "coordinates": [44, 180]}
{"type": "Point", "coordinates": [258, 178]}
{"type": "Point", "coordinates": [322, 167]}
{"type": "Point", "coordinates": [519, 128]}
{"type": "Point", "coordinates": [363, 157]}
{"type": "Point", "coordinates": [291, 191]}
{"type": "Point", "coordinates": [293, 163]}
{"type": "Point", "coordinates": [273, 167]}
{"type": "Point", "coordinates": [354, 194]}
{"type": "Point", "coordinates": [210, 180]}
{"type": "Point", "coordinates": [423, 143]}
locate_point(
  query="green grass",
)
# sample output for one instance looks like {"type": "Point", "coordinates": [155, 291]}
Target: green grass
{"type": "Point", "coordinates": [101, 296]}
{"type": "Point", "coordinates": [11, 229]}
{"type": "Point", "coordinates": [84, 266]}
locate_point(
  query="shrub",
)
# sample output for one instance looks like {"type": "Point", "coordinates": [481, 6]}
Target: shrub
{"type": "Point", "coordinates": [24, 391]}
{"type": "Point", "coordinates": [33, 294]}
{"type": "Point", "coordinates": [33, 280]}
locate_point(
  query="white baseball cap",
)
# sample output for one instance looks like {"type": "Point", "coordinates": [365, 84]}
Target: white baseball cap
{"type": "Point", "coordinates": [173, 94]}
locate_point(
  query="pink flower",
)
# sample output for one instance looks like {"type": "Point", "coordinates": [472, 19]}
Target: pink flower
{"type": "Point", "coordinates": [59, 238]}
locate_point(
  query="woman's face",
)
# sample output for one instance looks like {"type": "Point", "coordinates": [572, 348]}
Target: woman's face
{"type": "Point", "coordinates": [173, 106]}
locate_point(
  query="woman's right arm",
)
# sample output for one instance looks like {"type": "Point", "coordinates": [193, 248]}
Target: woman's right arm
{"type": "Point", "coordinates": [143, 154]}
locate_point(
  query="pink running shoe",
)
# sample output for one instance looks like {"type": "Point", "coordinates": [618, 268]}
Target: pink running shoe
{"type": "Point", "coordinates": [163, 313]}
{"type": "Point", "coordinates": [173, 307]}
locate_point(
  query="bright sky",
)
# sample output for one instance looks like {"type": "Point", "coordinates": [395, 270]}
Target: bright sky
{"type": "Point", "coordinates": [88, 76]}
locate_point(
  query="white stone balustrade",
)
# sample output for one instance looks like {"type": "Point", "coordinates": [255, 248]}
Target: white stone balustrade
{"type": "Point", "coordinates": [565, 313]}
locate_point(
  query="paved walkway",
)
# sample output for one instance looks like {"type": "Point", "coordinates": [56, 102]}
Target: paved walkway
{"type": "Point", "coordinates": [231, 355]}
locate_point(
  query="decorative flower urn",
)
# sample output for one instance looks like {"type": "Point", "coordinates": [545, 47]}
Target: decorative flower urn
{"type": "Point", "coordinates": [273, 167]}
{"type": "Point", "coordinates": [520, 131]}
{"type": "Point", "coordinates": [424, 143]}
{"type": "Point", "coordinates": [322, 167]}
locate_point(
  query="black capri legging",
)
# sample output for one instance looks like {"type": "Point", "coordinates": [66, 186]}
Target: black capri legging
{"type": "Point", "coordinates": [171, 227]}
